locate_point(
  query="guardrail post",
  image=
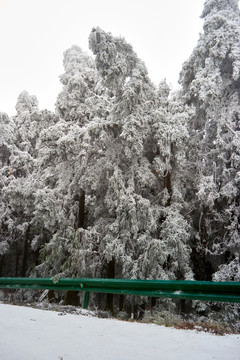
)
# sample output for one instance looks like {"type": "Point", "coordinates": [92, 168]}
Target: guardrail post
{"type": "Point", "coordinates": [86, 299]}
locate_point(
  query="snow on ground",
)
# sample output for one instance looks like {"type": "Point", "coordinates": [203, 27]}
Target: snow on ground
{"type": "Point", "coordinates": [33, 334]}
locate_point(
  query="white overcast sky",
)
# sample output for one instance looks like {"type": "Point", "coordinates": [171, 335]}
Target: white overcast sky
{"type": "Point", "coordinates": [35, 33]}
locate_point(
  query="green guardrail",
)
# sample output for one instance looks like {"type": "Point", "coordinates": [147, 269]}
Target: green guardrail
{"type": "Point", "coordinates": [176, 289]}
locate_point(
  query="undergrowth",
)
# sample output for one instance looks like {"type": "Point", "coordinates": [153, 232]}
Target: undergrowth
{"type": "Point", "coordinates": [168, 319]}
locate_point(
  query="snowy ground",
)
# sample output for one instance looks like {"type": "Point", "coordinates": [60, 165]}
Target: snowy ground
{"type": "Point", "coordinates": [32, 334]}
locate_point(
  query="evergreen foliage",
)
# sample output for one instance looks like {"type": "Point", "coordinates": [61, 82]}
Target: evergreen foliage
{"type": "Point", "coordinates": [211, 84]}
{"type": "Point", "coordinates": [128, 180]}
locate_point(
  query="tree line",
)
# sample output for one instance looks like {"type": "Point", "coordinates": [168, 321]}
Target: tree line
{"type": "Point", "coordinates": [126, 179]}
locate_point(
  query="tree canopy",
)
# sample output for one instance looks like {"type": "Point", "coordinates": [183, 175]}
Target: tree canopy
{"type": "Point", "coordinates": [126, 179]}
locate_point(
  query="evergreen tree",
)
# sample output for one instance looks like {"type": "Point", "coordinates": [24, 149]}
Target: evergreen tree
{"type": "Point", "coordinates": [169, 255]}
{"type": "Point", "coordinates": [81, 98]}
{"type": "Point", "coordinates": [124, 219]}
{"type": "Point", "coordinates": [20, 185]}
{"type": "Point", "coordinates": [211, 84]}
{"type": "Point", "coordinates": [124, 190]}
{"type": "Point", "coordinates": [7, 140]}
{"type": "Point", "coordinates": [117, 183]}
{"type": "Point", "coordinates": [17, 191]}
{"type": "Point", "coordinates": [62, 148]}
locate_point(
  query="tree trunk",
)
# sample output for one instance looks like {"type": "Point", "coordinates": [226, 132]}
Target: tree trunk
{"type": "Point", "coordinates": [121, 302]}
{"type": "Point", "coordinates": [1, 264]}
{"type": "Point", "coordinates": [168, 186]}
{"type": "Point", "coordinates": [25, 253]}
{"type": "Point", "coordinates": [81, 210]}
{"type": "Point", "coordinates": [71, 298]}
{"type": "Point", "coordinates": [110, 275]}
{"type": "Point", "coordinates": [16, 260]}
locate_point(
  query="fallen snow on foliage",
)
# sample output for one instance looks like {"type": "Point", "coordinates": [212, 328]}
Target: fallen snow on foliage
{"type": "Point", "coordinates": [32, 334]}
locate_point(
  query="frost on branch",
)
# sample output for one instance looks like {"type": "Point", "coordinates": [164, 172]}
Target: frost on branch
{"type": "Point", "coordinates": [82, 96]}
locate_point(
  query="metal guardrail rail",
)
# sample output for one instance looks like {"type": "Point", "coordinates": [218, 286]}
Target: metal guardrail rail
{"type": "Point", "coordinates": [175, 289]}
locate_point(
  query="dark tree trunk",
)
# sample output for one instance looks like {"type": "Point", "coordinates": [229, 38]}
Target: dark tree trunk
{"type": "Point", "coordinates": [16, 260]}
{"type": "Point", "coordinates": [81, 210]}
{"type": "Point", "coordinates": [1, 264]}
{"type": "Point", "coordinates": [25, 252]}
{"type": "Point", "coordinates": [202, 266]}
{"type": "Point", "coordinates": [71, 298]}
{"type": "Point", "coordinates": [50, 295]}
{"type": "Point", "coordinates": [121, 302]}
{"type": "Point", "coordinates": [168, 186]}
{"type": "Point", "coordinates": [110, 275]}
{"type": "Point", "coordinates": [153, 302]}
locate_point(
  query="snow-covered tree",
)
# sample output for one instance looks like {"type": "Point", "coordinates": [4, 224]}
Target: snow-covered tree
{"type": "Point", "coordinates": [20, 185]}
{"type": "Point", "coordinates": [211, 84]}
{"type": "Point", "coordinates": [125, 198]}
{"type": "Point", "coordinates": [114, 174]}
{"type": "Point", "coordinates": [62, 148]}
{"type": "Point", "coordinates": [117, 173]}
{"type": "Point", "coordinates": [14, 205]}
{"type": "Point", "coordinates": [81, 97]}
{"type": "Point", "coordinates": [7, 140]}
{"type": "Point", "coordinates": [169, 255]}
